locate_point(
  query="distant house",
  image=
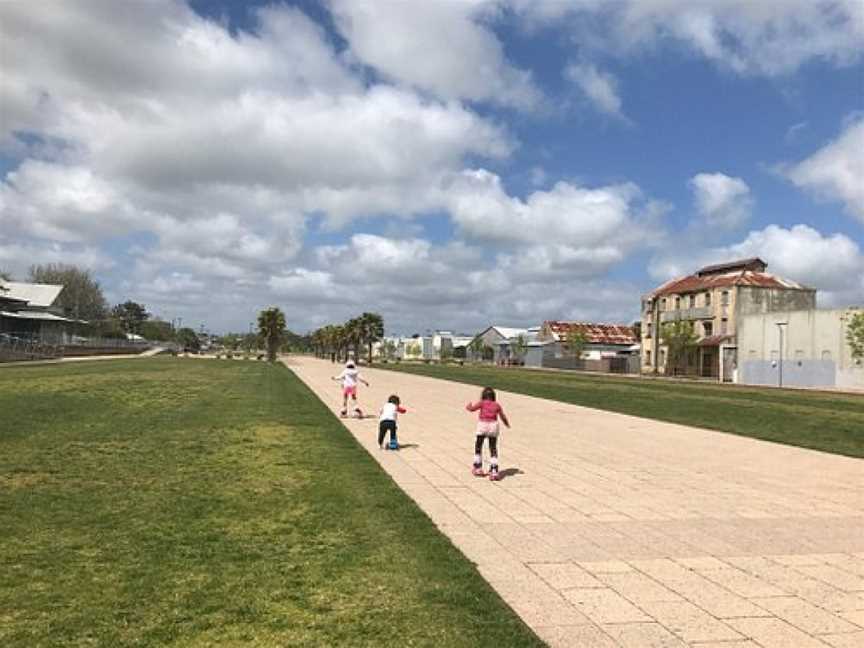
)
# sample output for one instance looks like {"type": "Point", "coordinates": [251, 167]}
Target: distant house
{"type": "Point", "coordinates": [30, 310]}
{"type": "Point", "coordinates": [498, 342]}
{"type": "Point", "coordinates": [603, 342]}
{"type": "Point", "coordinates": [713, 300]}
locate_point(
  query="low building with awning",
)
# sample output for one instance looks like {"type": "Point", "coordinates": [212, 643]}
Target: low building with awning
{"type": "Point", "coordinates": [31, 311]}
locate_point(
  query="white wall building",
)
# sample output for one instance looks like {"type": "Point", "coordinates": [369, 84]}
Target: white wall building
{"type": "Point", "coordinates": [814, 351]}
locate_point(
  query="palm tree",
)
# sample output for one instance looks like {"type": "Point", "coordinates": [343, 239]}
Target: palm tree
{"type": "Point", "coordinates": [271, 329]}
{"type": "Point", "coordinates": [339, 341]}
{"type": "Point", "coordinates": [372, 325]}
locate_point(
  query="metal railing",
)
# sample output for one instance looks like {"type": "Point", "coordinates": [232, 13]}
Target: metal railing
{"type": "Point", "coordinates": [18, 346]}
{"type": "Point", "coordinates": [21, 349]}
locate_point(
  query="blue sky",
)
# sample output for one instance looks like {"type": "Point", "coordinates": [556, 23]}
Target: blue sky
{"type": "Point", "coordinates": [448, 164]}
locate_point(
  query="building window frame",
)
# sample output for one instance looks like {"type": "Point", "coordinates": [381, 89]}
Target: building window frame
{"type": "Point", "coordinates": [708, 298]}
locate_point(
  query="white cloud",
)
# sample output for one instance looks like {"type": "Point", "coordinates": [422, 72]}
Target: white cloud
{"type": "Point", "coordinates": [831, 263]}
{"type": "Point", "coordinates": [836, 171]}
{"type": "Point", "coordinates": [18, 254]}
{"type": "Point", "coordinates": [721, 200]}
{"type": "Point", "coordinates": [279, 109]}
{"type": "Point", "coordinates": [59, 202]}
{"type": "Point", "coordinates": [418, 285]}
{"type": "Point", "coordinates": [588, 228]}
{"type": "Point", "coordinates": [441, 47]}
{"type": "Point", "coordinates": [770, 38]}
{"type": "Point", "coordinates": [208, 150]}
{"type": "Point", "coordinates": [601, 88]}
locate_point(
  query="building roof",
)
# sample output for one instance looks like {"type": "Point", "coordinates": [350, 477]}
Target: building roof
{"type": "Point", "coordinates": [596, 333]}
{"type": "Point", "coordinates": [709, 278]}
{"type": "Point", "coordinates": [36, 315]}
{"type": "Point", "coordinates": [754, 263]}
{"type": "Point", "coordinates": [5, 299]}
{"type": "Point", "coordinates": [36, 295]}
{"type": "Point", "coordinates": [504, 331]}
{"type": "Point", "coordinates": [509, 332]}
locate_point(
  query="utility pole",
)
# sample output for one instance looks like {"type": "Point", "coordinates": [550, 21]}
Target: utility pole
{"type": "Point", "coordinates": [780, 326]}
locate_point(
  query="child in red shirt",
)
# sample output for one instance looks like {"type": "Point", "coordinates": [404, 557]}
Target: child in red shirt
{"type": "Point", "coordinates": [487, 428]}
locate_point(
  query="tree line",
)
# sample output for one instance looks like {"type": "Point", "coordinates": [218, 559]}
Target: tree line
{"type": "Point", "coordinates": [338, 341]}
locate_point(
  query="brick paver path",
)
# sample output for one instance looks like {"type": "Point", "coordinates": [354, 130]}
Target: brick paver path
{"type": "Point", "coordinates": [610, 530]}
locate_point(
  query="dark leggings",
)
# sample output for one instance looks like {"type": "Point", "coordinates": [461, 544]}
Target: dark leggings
{"type": "Point", "coordinates": [383, 428]}
{"type": "Point", "coordinates": [493, 445]}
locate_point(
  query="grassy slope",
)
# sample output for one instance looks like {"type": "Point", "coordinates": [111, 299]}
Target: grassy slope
{"type": "Point", "coordinates": [822, 421]}
{"type": "Point", "coordinates": [189, 502]}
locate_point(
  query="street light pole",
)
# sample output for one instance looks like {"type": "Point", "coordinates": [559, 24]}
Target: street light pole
{"type": "Point", "coordinates": [780, 326]}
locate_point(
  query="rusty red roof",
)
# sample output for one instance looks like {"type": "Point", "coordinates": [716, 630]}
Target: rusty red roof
{"type": "Point", "coordinates": [595, 333]}
{"type": "Point", "coordinates": [753, 263]}
{"type": "Point", "coordinates": [693, 283]}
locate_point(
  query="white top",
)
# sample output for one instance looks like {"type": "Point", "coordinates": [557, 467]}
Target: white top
{"type": "Point", "coordinates": [349, 377]}
{"type": "Point", "coordinates": [389, 412]}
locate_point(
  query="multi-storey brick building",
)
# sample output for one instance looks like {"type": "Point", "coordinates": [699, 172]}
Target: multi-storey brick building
{"type": "Point", "coordinates": [712, 300]}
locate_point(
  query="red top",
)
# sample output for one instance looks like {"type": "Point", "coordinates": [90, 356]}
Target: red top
{"type": "Point", "coordinates": [489, 410]}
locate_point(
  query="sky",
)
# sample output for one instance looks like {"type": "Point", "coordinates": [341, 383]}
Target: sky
{"type": "Point", "coordinates": [450, 164]}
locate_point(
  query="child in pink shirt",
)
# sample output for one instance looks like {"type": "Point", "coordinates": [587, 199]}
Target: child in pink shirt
{"type": "Point", "coordinates": [487, 428]}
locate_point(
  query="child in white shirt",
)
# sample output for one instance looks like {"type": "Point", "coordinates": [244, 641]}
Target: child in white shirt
{"type": "Point", "coordinates": [349, 378]}
{"type": "Point", "coordinates": [387, 422]}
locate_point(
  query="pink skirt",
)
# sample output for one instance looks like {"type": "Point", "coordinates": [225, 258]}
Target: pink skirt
{"type": "Point", "coordinates": [487, 428]}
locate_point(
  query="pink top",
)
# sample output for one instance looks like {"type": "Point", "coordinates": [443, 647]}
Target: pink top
{"type": "Point", "coordinates": [489, 409]}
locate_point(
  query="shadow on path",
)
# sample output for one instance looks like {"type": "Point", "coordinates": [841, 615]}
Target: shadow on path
{"type": "Point", "coordinates": [510, 472]}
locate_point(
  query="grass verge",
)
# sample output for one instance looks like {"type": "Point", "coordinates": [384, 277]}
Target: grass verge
{"type": "Point", "coordinates": [831, 422]}
{"type": "Point", "coordinates": [194, 502]}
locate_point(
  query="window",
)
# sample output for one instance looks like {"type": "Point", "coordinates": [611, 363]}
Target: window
{"type": "Point", "coordinates": [707, 298]}
{"type": "Point", "coordinates": [724, 326]}
{"type": "Point", "coordinates": [662, 357]}
{"type": "Point", "coordinates": [677, 303]}
{"type": "Point", "coordinates": [648, 330]}
{"type": "Point", "coordinates": [724, 298]}
{"type": "Point", "coordinates": [708, 328]}
{"type": "Point", "coordinates": [663, 304]}
{"type": "Point", "coordinates": [648, 358]}
{"type": "Point", "coordinates": [692, 301]}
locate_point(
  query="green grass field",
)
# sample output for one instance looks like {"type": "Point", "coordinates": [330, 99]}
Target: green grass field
{"type": "Point", "coordinates": [201, 502]}
{"type": "Point", "coordinates": [831, 422]}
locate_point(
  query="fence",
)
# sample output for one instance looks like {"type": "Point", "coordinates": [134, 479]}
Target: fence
{"type": "Point", "coordinates": [618, 365]}
{"type": "Point", "coordinates": [23, 346]}
{"type": "Point", "coordinates": [16, 349]}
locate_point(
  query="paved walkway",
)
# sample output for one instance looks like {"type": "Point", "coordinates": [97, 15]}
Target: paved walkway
{"type": "Point", "coordinates": [610, 530]}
